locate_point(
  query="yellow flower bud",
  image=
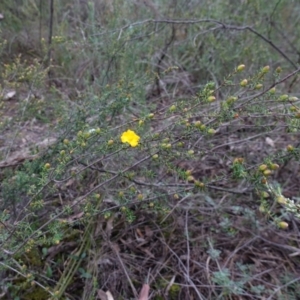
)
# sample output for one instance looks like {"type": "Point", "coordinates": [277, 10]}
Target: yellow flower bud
{"type": "Point", "coordinates": [211, 131]}
{"type": "Point", "coordinates": [265, 69]}
{"type": "Point", "coordinates": [231, 100]}
{"type": "Point", "coordinates": [238, 160]}
{"type": "Point", "coordinates": [283, 225]}
{"type": "Point", "coordinates": [274, 166]}
{"type": "Point", "coordinates": [188, 172]}
{"type": "Point", "coordinates": [290, 148]}
{"type": "Point", "coordinates": [141, 122]}
{"type": "Point", "coordinates": [240, 68]}
{"type": "Point", "coordinates": [47, 166]}
{"type": "Point", "coordinates": [284, 97]}
{"type": "Point", "coordinates": [292, 99]}
{"type": "Point", "coordinates": [166, 146]}
{"type": "Point", "coordinates": [262, 167]}
{"type": "Point", "coordinates": [199, 184]}
{"type": "Point", "coordinates": [107, 215]}
{"type": "Point", "coordinates": [86, 135]}
{"type": "Point", "coordinates": [272, 91]}
{"type": "Point", "coordinates": [264, 195]}
{"type": "Point", "coordinates": [244, 83]}
{"type": "Point", "coordinates": [172, 108]}
{"type": "Point", "coordinates": [155, 156]}
{"type": "Point", "coordinates": [197, 124]}
{"type": "Point", "coordinates": [66, 141]}
{"type": "Point", "coordinates": [176, 196]}
{"type": "Point", "coordinates": [140, 197]}
{"type": "Point", "coordinates": [190, 178]}
{"type": "Point", "coordinates": [110, 142]}
{"type": "Point", "coordinates": [151, 115]}
{"type": "Point", "coordinates": [191, 152]}
{"type": "Point", "coordinates": [211, 98]}
{"type": "Point", "coordinates": [262, 209]}
{"type": "Point", "coordinates": [258, 86]}
{"type": "Point", "coordinates": [267, 172]}
{"type": "Point", "coordinates": [281, 200]}
{"type": "Point", "coordinates": [278, 70]}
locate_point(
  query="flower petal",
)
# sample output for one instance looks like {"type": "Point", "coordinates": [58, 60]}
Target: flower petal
{"type": "Point", "coordinates": [130, 137]}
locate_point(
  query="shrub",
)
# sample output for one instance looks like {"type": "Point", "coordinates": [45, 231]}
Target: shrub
{"type": "Point", "coordinates": [150, 156]}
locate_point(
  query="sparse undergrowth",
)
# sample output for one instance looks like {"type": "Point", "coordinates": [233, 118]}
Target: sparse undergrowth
{"type": "Point", "coordinates": [192, 188]}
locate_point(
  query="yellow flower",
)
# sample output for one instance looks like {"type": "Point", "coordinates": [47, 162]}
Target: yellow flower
{"type": "Point", "coordinates": [130, 137]}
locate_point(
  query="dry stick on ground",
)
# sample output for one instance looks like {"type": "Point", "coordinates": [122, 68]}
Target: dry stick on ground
{"type": "Point", "coordinates": [177, 205]}
{"type": "Point", "coordinates": [238, 249]}
{"type": "Point", "coordinates": [295, 250]}
{"type": "Point", "coordinates": [187, 244]}
{"type": "Point", "coordinates": [116, 251]}
{"type": "Point", "coordinates": [189, 280]}
{"type": "Point", "coordinates": [281, 287]}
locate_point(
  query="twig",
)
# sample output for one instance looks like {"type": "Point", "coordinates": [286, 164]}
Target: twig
{"type": "Point", "coordinates": [281, 287]}
{"type": "Point", "coordinates": [187, 245]}
{"type": "Point", "coordinates": [124, 269]}
{"type": "Point", "coordinates": [50, 32]}
{"type": "Point", "coordinates": [222, 26]}
{"type": "Point", "coordinates": [200, 296]}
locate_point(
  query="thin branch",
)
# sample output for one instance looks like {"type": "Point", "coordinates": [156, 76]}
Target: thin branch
{"type": "Point", "coordinates": [50, 32]}
{"type": "Point", "coordinates": [281, 287]}
{"type": "Point", "coordinates": [222, 26]}
{"type": "Point", "coordinates": [273, 45]}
